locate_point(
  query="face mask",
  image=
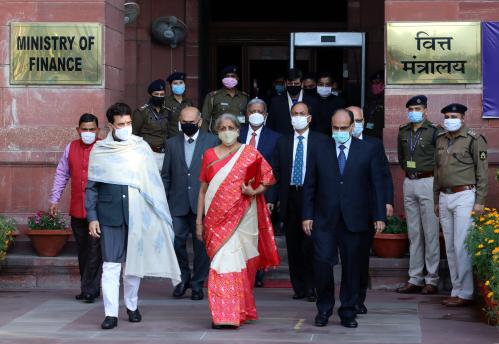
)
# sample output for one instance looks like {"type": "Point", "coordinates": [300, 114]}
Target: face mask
{"type": "Point", "coordinates": [377, 89]}
{"type": "Point", "coordinates": [310, 91]}
{"type": "Point", "coordinates": [335, 93]}
{"type": "Point", "coordinates": [228, 137]}
{"type": "Point", "coordinates": [178, 89]}
{"type": "Point", "coordinates": [229, 82]}
{"type": "Point", "coordinates": [157, 101]}
{"type": "Point", "coordinates": [294, 90]}
{"type": "Point", "coordinates": [189, 129]}
{"type": "Point", "coordinates": [87, 137]}
{"type": "Point", "coordinates": [415, 116]}
{"type": "Point", "coordinates": [280, 88]}
{"type": "Point", "coordinates": [256, 119]}
{"type": "Point", "coordinates": [452, 124]}
{"type": "Point", "coordinates": [341, 136]}
{"type": "Point", "coordinates": [299, 122]}
{"type": "Point", "coordinates": [123, 134]}
{"type": "Point", "coordinates": [324, 91]}
{"type": "Point", "coordinates": [358, 129]}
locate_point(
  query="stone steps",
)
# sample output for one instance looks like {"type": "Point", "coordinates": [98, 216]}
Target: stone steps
{"type": "Point", "coordinates": [23, 269]}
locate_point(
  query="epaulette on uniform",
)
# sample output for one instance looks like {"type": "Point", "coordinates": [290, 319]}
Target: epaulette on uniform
{"type": "Point", "coordinates": [244, 93]}
{"type": "Point", "coordinates": [213, 93]}
{"type": "Point", "coordinates": [143, 107]}
{"type": "Point", "coordinates": [472, 133]}
{"type": "Point", "coordinates": [442, 133]}
{"type": "Point", "coordinates": [435, 125]}
{"type": "Point", "coordinates": [404, 126]}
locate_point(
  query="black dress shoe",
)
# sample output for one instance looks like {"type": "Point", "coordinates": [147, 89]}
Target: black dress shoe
{"type": "Point", "coordinates": [197, 294]}
{"type": "Point", "coordinates": [89, 298]}
{"type": "Point", "coordinates": [260, 274]}
{"type": "Point", "coordinates": [361, 309]}
{"type": "Point", "coordinates": [298, 296]}
{"type": "Point", "coordinates": [180, 289]}
{"type": "Point", "coordinates": [134, 316]}
{"type": "Point", "coordinates": [222, 327]}
{"type": "Point", "coordinates": [349, 322]}
{"type": "Point", "coordinates": [80, 296]}
{"type": "Point", "coordinates": [109, 323]}
{"type": "Point", "coordinates": [321, 319]}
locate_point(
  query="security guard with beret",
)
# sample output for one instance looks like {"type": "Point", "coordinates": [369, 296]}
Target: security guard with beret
{"type": "Point", "coordinates": [460, 187]}
{"type": "Point", "coordinates": [150, 121]}
{"type": "Point", "coordinates": [416, 155]}
{"type": "Point", "coordinates": [225, 100]}
{"type": "Point", "coordinates": [176, 101]}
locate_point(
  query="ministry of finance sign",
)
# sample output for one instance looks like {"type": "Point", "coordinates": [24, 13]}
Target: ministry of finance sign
{"type": "Point", "coordinates": [433, 53]}
{"type": "Point", "coordinates": [56, 53]}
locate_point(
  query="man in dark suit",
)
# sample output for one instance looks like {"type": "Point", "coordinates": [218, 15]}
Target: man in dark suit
{"type": "Point", "coordinates": [264, 139]}
{"type": "Point", "coordinates": [357, 132]}
{"type": "Point", "coordinates": [280, 106]}
{"type": "Point", "coordinates": [180, 173]}
{"type": "Point", "coordinates": [328, 103]}
{"type": "Point", "coordinates": [290, 165]}
{"type": "Point", "coordinates": [336, 210]}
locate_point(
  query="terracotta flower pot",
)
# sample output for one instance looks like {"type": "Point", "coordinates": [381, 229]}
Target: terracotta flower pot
{"type": "Point", "coordinates": [48, 242]}
{"type": "Point", "coordinates": [390, 245]}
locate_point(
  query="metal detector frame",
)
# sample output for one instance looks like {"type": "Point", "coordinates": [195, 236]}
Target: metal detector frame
{"type": "Point", "coordinates": [331, 39]}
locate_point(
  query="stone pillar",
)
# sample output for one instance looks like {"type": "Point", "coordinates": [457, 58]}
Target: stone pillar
{"type": "Point", "coordinates": [37, 122]}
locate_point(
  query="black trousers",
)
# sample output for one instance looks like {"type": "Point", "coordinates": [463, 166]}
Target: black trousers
{"type": "Point", "coordinates": [364, 265]}
{"type": "Point", "coordinates": [300, 247]}
{"type": "Point", "coordinates": [89, 257]}
{"type": "Point", "coordinates": [183, 226]}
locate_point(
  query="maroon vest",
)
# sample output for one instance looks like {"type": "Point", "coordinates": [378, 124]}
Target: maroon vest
{"type": "Point", "coordinates": [78, 169]}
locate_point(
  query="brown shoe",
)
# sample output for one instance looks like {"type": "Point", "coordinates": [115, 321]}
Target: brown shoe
{"type": "Point", "coordinates": [458, 302]}
{"type": "Point", "coordinates": [429, 289]}
{"type": "Point", "coordinates": [448, 299]}
{"type": "Point", "coordinates": [409, 288]}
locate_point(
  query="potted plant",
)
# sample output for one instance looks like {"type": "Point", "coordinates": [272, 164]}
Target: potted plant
{"type": "Point", "coordinates": [48, 233]}
{"type": "Point", "coordinates": [483, 245]}
{"type": "Point", "coordinates": [393, 241]}
{"type": "Point", "coordinates": [7, 228]}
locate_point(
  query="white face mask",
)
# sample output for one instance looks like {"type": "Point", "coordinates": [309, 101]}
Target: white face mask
{"type": "Point", "coordinates": [299, 122]}
{"type": "Point", "coordinates": [228, 137]}
{"type": "Point", "coordinates": [452, 124]}
{"type": "Point", "coordinates": [324, 91]}
{"type": "Point", "coordinates": [335, 93]}
{"type": "Point", "coordinates": [358, 129]}
{"type": "Point", "coordinates": [87, 137]}
{"type": "Point", "coordinates": [256, 119]}
{"type": "Point", "coordinates": [124, 133]}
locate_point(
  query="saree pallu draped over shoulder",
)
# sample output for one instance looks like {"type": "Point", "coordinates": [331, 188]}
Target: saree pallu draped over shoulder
{"type": "Point", "coordinates": [239, 238]}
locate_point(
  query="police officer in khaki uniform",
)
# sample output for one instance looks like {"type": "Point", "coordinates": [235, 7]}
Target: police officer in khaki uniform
{"type": "Point", "coordinates": [416, 155]}
{"type": "Point", "coordinates": [150, 121]}
{"type": "Point", "coordinates": [460, 186]}
{"type": "Point", "coordinates": [176, 101]}
{"type": "Point", "coordinates": [225, 100]}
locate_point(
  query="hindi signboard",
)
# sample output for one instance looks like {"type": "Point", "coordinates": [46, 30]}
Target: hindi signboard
{"type": "Point", "coordinates": [56, 53]}
{"type": "Point", "coordinates": [433, 53]}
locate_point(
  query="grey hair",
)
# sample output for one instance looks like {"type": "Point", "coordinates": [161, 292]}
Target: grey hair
{"type": "Point", "coordinates": [227, 116]}
{"type": "Point", "coordinates": [256, 101]}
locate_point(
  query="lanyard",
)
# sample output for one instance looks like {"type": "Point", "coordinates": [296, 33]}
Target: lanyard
{"type": "Point", "coordinates": [414, 144]}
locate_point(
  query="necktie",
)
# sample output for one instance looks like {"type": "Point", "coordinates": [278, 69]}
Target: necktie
{"type": "Point", "coordinates": [342, 159]}
{"type": "Point", "coordinates": [253, 140]}
{"type": "Point", "coordinates": [298, 164]}
{"type": "Point", "coordinates": [190, 140]}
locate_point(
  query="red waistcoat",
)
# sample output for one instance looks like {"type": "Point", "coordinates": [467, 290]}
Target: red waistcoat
{"type": "Point", "coordinates": [78, 169]}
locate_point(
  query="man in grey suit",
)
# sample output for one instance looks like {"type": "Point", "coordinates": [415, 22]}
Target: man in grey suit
{"type": "Point", "coordinates": [180, 173]}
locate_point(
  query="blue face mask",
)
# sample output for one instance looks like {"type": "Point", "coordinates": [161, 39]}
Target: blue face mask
{"type": "Point", "coordinates": [358, 129]}
{"type": "Point", "coordinates": [279, 88]}
{"type": "Point", "coordinates": [341, 136]}
{"type": "Point", "coordinates": [415, 116]}
{"type": "Point", "coordinates": [178, 89]}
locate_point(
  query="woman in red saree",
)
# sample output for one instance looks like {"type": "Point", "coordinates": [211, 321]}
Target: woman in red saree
{"type": "Point", "coordinates": [236, 229]}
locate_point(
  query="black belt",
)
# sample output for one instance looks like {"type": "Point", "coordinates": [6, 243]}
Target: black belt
{"type": "Point", "coordinates": [419, 175]}
{"type": "Point", "coordinates": [296, 187]}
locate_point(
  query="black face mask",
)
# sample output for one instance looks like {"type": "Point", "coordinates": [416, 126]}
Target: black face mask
{"type": "Point", "coordinates": [189, 129]}
{"type": "Point", "coordinates": [157, 101]}
{"type": "Point", "coordinates": [294, 90]}
{"type": "Point", "coordinates": [310, 91]}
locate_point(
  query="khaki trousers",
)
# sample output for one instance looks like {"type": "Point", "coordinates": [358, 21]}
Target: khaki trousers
{"type": "Point", "coordinates": [455, 217]}
{"type": "Point", "coordinates": [422, 225]}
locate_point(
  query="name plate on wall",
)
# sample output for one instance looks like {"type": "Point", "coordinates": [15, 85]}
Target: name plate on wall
{"type": "Point", "coordinates": [433, 53]}
{"type": "Point", "coordinates": [56, 53]}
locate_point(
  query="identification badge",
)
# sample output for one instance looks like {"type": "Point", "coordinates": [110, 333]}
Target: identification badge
{"type": "Point", "coordinates": [411, 164]}
{"type": "Point", "coordinates": [370, 125]}
{"type": "Point", "coordinates": [224, 104]}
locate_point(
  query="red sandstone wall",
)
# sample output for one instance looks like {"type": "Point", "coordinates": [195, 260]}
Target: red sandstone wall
{"type": "Point", "coordinates": [146, 60]}
{"type": "Point", "coordinates": [36, 122]}
{"type": "Point", "coordinates": [439, 95]}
